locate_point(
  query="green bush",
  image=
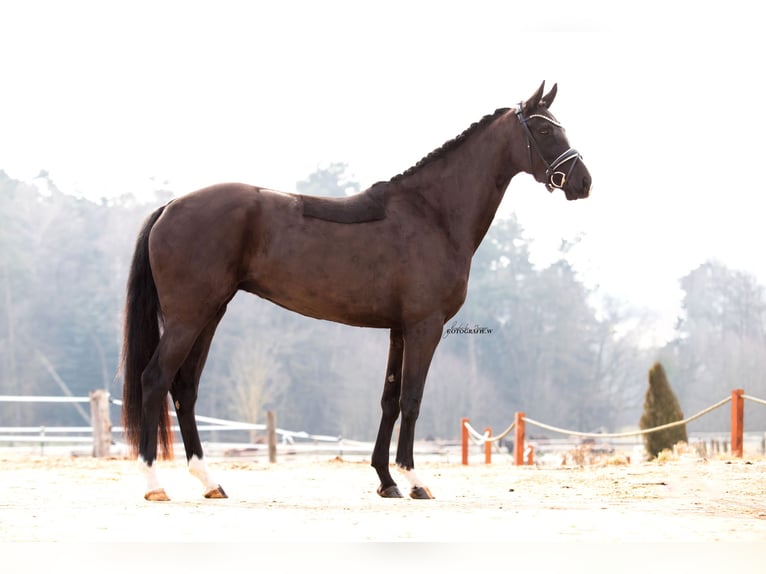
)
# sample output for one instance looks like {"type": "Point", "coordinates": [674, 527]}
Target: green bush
{"type": "Point", "coordinates": [661, 407]}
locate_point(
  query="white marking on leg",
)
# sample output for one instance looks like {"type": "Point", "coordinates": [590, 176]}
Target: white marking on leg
{"type": "Point", "coordinates": [411, 477]}
{"type": "Point", "coordinates": [150, 475]}
{"type": "Point", "coordinates": [198, 468]}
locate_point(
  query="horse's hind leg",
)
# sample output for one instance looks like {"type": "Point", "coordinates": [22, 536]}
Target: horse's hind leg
{"type": "Point", "coordinates": [390, 405]}
{"type": "Point", "coordinates": [174, 346]}
{"type": "Point", "coordinates": [184, 394]}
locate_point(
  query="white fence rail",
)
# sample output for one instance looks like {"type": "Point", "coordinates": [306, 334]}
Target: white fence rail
{"type": "Point", "coordinates": [75, 434]}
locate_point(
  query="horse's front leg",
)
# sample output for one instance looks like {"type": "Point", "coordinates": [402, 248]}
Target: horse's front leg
{"type": "Point", "coordinates": [420, 342]}
{"type": "Point", "coordinates": [390, 406]}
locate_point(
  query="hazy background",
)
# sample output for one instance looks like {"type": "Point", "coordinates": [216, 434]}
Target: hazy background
{"type": "Point", "coordinates": [662, 98]}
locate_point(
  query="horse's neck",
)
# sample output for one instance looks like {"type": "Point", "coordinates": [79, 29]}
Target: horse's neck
{"type": "Point", "coordinates": [469, 185]}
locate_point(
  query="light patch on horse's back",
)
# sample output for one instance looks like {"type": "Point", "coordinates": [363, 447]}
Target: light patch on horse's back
{"type": "Point", "coordinates": [269, 190]}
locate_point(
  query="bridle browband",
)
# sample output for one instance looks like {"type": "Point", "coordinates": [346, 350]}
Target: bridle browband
{"type": "Point", "coordinates": [551, 168]}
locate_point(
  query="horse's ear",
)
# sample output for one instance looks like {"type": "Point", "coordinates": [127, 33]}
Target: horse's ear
{"type": "Point", "coordinates": [531, 104]}
{"type": "Point", "coordinates": [548, 98]}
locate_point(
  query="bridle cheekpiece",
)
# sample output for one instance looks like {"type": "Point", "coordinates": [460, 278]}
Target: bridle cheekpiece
{"type": "Point", "coordinates": [556, 179]}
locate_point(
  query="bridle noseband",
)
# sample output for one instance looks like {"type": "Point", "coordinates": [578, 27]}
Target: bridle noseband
{"type": "Point", "coordinates": [556, 179]}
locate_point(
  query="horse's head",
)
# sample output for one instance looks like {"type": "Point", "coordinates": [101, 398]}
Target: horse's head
{"type": "Point", "coordinates": [553, 161]}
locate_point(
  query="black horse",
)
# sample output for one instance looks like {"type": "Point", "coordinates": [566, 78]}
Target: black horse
{"type": "Point", "coordinates": [396, 256]}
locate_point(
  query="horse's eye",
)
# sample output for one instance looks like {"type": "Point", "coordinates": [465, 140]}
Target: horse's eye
{"type": "Point", "coordinates": [544, 131]}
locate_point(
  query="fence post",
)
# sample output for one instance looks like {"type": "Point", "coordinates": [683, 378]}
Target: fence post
{"type": "Point", "coordinates": [464, 440]}
{"type": "Point", "coordinates": [518, 443]}
{"type": "Point", "coordinates": [100, 422]}
{"type": "Point", "coordinates": [737, 421]}
{"type": "Point", "coordinates": [488, 446]}
{"type": "Point", "coordinates": [271, 431]}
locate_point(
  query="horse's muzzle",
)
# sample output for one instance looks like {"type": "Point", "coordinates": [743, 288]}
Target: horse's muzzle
{"type": "Point", "coordinates": [579, 190]}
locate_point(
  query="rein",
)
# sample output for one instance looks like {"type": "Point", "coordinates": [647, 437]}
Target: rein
{"type": "Point", "coordinates": [556, 179]}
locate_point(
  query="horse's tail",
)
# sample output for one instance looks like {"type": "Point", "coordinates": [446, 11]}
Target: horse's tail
{"type": "Point", "coordinates": [143, 319]}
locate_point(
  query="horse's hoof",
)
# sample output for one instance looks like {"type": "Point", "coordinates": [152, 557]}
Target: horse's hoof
{"type": "Point", "coordinates": [216, 493]}
{"type": "Point", "coordinates": [156, 495]}
{"type": "Point", "coordinates": [389, 492]}
{"type": "Point", "coordinates": [421, 493]}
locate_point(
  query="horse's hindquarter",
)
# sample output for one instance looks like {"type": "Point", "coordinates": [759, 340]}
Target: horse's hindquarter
{"type": "Point", "coordinates": [368, 274]}
{"type": "Point", "coordinates": [195, 250]}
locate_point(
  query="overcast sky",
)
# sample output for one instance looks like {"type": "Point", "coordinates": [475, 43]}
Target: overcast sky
{"type": "Point", "coordinates": [663, 99]}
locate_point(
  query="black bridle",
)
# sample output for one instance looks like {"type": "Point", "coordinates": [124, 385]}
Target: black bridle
{"type": "Point", "coordinates": [556, 179]}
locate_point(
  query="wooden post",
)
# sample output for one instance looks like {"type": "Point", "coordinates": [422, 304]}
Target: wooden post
{"type": "Point", "coordinates": [531, 455]}
{"type": "Point", "coordinates": [737, 421]}
{"type": "Point", "coordinates": [100, 422]}
{"type": "Point", "coordinates": [271, 431]}
{"type": "Point", "coordinates": [518, 444]}
{"type": "Point", "coordinates": [464, 440]}
{"type": "Point", "coordinates": [488, 446]}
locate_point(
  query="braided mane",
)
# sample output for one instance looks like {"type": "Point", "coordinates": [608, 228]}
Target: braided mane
{"type": "Point", "coordinates": [452, 144]}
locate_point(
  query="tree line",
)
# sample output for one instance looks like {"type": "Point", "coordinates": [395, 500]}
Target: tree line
{"type": "Point", "coordinates": [530, 339]}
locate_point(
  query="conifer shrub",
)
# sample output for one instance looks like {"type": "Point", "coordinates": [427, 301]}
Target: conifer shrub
{"type": "Point", "coordinates": [661, 407]}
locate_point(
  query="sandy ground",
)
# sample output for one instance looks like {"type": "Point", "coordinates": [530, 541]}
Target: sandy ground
{"type": "Point", "coordinates": [67, 499]}
{"type": "Point", "coordinates": [277, 509]}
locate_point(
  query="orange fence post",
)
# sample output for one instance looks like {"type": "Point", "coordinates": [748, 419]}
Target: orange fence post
{"type": "Point", "coordinates": [737, 421]}
{"type": "Point", "coordinates": [464, 440]}
{"type": "Point", "coordinates": [488, 446]}
{"type": "Point", "coordinates": [518, 444]}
